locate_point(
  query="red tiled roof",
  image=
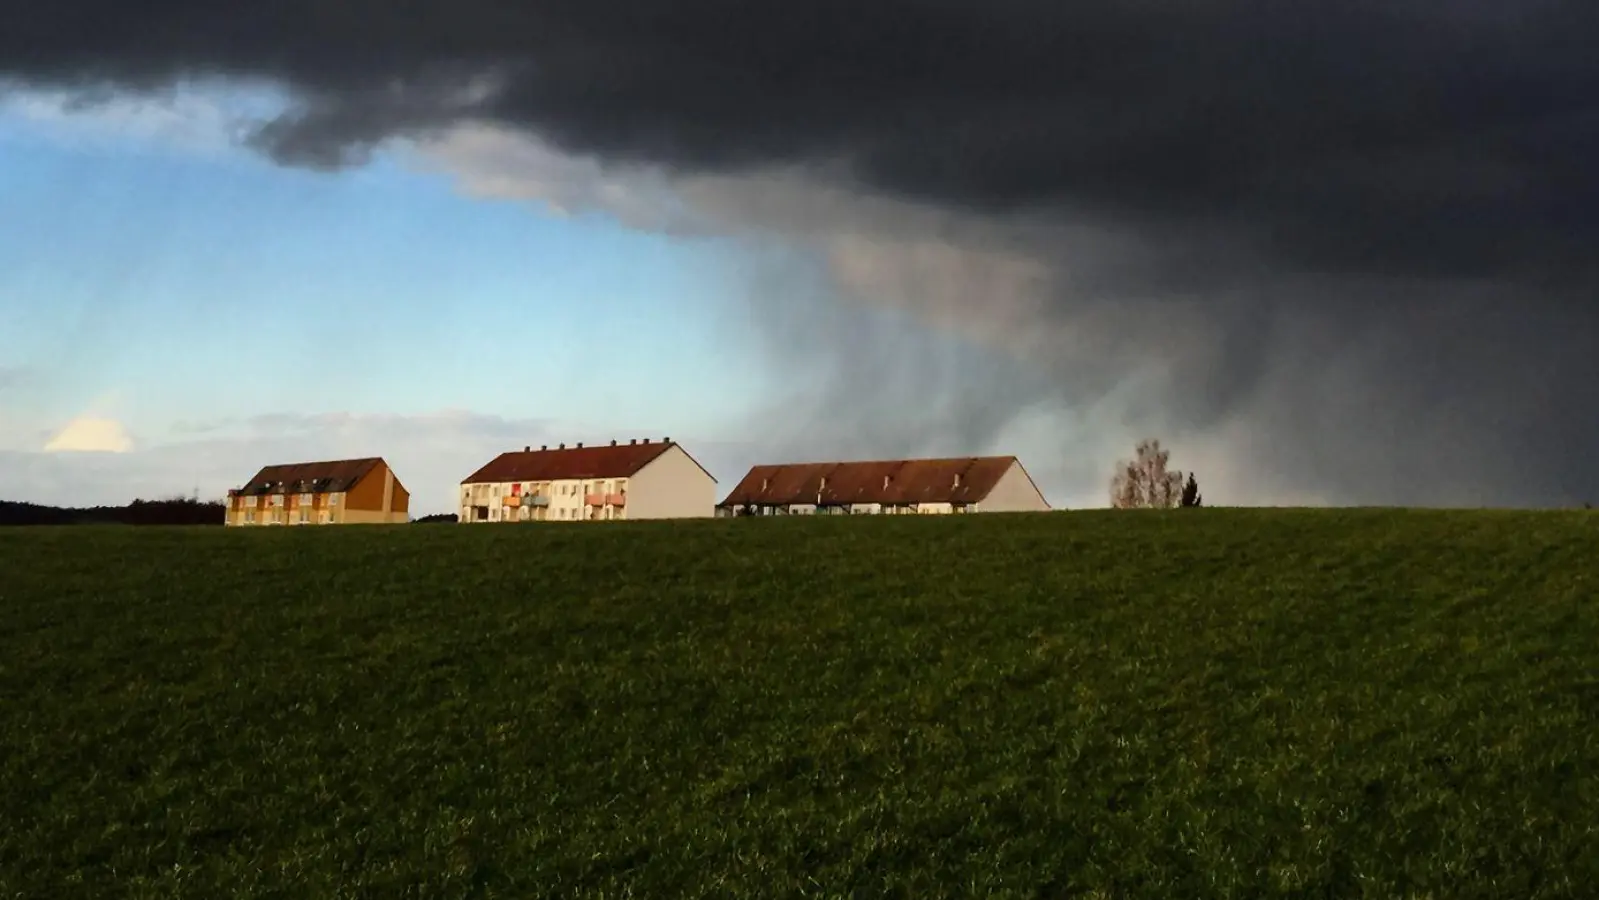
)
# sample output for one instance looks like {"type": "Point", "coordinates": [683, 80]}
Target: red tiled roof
{"type": "Point", "coordinates": [615, 461]}
{"type": "Point", "coordinates": [909, 481]}
{"type": "Point", "coordinates": [311, 477]}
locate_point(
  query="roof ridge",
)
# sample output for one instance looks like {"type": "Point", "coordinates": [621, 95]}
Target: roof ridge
{"type": "Point", "coordinates": [885, 461]}
{"type": "Point", "coordinates": [612, 460]}
{"type": "Point", "coordinates": [324, 462]}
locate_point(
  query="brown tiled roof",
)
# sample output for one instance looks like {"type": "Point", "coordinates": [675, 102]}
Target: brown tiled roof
{"type": "Point", "coordinates": [614, 461]}
{"type": "Point", "coordinates": [909, 481]}
{"type": "Point", "coordinates": [313, 477]}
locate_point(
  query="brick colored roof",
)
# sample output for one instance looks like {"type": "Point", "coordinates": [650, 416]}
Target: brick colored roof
{"type": "Point", "coordinates": [614, 461]}
{"type": "Point", "coordinates": [333, 477]}
{"type": "Point", "coordinates": [909, 481]}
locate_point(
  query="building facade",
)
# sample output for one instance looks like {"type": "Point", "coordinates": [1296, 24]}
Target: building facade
{"type": "Point", "coordinates": [886, 487]}
{"type": "Point", "coordinates": [637, 480]}
{"type": "Point", "coordinates": [338, 492]}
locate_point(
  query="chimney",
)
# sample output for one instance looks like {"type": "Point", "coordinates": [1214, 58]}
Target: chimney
{"type": "Point", "coordinates": [544, 446]}
{"type": "Point", "coordinates": [666, 440]}
{"type": "Point", "coordinates": [645, 440]}
{"type": "Point", "coordinates": [633, 441]}
{"type": "Point", "coordinates": [561, 446]}
{"type": "Point", "coordinates": [527, 448]}
{"type": "Point", "coordinates": [613, 442]}
{"type": "Point", "coordinates": [579, 445]}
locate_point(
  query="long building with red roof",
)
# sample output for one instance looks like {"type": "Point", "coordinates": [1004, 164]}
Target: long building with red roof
{"type": "Point", "coordinates": [899, 486]}
{"type": "Point", "coordinates": [641, 479]}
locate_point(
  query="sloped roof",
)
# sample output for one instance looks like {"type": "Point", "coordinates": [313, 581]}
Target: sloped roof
{"type": "Point", "coordinates": [614, 461]}
{"type": "Point", "coordinates": [956, 480]}
{"type": "Point", "coordinates": [333, 476]}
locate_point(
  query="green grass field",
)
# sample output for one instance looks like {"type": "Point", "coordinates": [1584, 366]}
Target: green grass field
{"type": "Point", "coordinates": [1207, 703]}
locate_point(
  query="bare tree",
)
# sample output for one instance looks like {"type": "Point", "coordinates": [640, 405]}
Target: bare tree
{"type": "Point", "coordinates": [1144, 482]}
{"type": "Point", "coordinates": [1191, 495]}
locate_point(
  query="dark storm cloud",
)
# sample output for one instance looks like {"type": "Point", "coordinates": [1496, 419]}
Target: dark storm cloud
{"type": "Point", "coordinates": [1404, 137]}
{"type": "Point", "coordinates": [1404, 184]}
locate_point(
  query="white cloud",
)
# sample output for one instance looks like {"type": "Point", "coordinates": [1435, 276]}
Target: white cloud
{"type": "Point", "coordinates": [492, 162]}
{"type": "Point", "coordinates": [90, 434]}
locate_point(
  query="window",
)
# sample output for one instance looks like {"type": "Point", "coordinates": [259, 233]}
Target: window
{"type": "Point", "coordinates": [305, 515]}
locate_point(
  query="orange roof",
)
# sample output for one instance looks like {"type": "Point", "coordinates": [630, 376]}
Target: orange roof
{"type": "Point", "coordinates": [614, 461]}
{"type": "Point", "coordinates": [329, 477]}
{"type": "Point", "coordinates": [959, 480]}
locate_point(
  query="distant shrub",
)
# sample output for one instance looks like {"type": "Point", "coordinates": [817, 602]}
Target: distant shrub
{"type": "Point", "coordinates": [170, 511]}
{"type": "Point", "coordinates": [436, 517]}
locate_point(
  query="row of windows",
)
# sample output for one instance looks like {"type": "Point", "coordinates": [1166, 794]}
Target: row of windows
{"type": "Point", "coordinates": [278, 517]}
{"type": "Point", "coordinates": [481, 513]}
{"type": "Point", "coordinates": [563, 489]}
{"type": "Point", "coordinates": [277, 500]}
{"type": "Point", "coordinates": [807, 510]}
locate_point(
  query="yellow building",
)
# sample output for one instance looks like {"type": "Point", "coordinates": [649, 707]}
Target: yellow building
{"type": "Point", "coordinates": [340, 492]}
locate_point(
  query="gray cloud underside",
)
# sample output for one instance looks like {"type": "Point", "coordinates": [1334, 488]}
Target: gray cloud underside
{"type": "Point", "coordinates": [1365, 230]}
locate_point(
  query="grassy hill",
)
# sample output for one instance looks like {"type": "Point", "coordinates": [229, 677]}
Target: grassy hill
{"type": "Point", "coordinates": [1211, 703]}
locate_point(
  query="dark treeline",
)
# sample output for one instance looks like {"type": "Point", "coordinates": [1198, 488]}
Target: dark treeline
{"type": "Point", "coordinates": [173, 511]}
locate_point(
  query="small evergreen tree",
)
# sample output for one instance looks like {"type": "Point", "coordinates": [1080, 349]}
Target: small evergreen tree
{"type": "Point", "coordinates": [1191, 492]}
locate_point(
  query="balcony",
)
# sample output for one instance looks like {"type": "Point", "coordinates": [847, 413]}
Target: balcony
{"type": "Point", "coordinates": [616, 499]}
{"type": "Point", "coordinates": [594, 499]}
{"type": "Point", "coordinates": [535, 500]}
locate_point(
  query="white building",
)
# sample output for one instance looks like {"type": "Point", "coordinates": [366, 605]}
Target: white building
{"type": "Point", "coordinates": [889, 487]}
{"type": "Point", "coordinates": [637, 480]}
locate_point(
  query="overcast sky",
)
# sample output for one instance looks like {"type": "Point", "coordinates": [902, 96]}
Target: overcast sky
{"type": "Point", "coordinates": [1328, 252]}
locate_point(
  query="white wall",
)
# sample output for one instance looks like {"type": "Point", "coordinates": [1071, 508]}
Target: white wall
{"type": "Point", "coordinates": [566, 500]}
{"type": "Point", "coordinates": [1014, 492]}
{"type": "Point", "coordinates": [671, 486]}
